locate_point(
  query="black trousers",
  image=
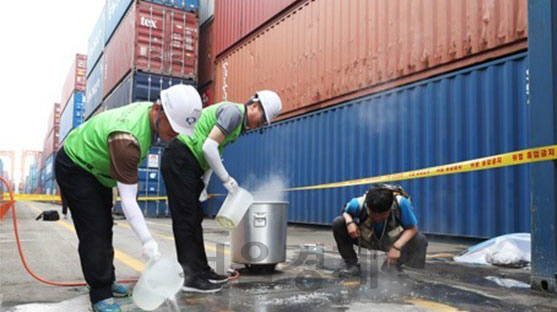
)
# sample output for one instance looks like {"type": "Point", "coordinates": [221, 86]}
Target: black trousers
{"type": "Point", "coordinates": [183, 179]}
{"type": "Point", "coordinates": [64, 206]}
{"type": "Point", "coordinates": [91, 205]}
{"type": "Point", "coordinates": [412, 253]}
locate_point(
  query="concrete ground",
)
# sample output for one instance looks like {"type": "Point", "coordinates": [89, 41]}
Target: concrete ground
{"type": "Point", "coordinates": [304, 283]}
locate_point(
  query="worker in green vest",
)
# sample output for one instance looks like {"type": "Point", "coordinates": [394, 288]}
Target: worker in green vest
{"type": "Point", "coordinates": [103, 153]}
{"type": "Point", "coordinates": [187, 164]}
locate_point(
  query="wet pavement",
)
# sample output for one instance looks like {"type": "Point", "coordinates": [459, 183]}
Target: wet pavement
{"type": "Point", "coordinates": [306, 282]}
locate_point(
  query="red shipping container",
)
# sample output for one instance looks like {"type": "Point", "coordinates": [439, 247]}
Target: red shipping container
{"type": "Point", "coordinates": [324, 52]}
{"type": "Point", "coordinates": [54, 118]}
{"type": "Point", "coordinates": [50, 143]}
{"type": "Point", "coordinates": [75, 80]}
{"type": "Point", "coordinates": [155, 39]}
{"type": "Point", "coordinates": [206, 55]}
{"type": "Point", "coordinates": [207, 93]}
{"type": "Point", "coordinates": [235, 19]}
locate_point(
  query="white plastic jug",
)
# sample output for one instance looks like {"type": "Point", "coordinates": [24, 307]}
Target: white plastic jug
{"type": "Point", "coordinates": [234, 208]}
{"type": "Point", "coordinates": [161, 280]}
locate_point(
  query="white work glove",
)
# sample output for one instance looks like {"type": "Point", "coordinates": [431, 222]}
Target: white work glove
{"type": "Point", "coordinates": [151, 250]}
{"type": "Point", "coordinates": [203, 196]}
{"type": "Point", "coordinates": [231, 185]}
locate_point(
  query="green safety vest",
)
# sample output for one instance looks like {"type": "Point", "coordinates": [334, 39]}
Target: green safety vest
{"type": "Point", "coordinates": [87, 145]}
{"type": "Point", "coordinates": [204, 126]}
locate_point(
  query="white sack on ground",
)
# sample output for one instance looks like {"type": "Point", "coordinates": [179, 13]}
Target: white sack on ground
{"type": "Point", "coordinates": [511, 250]}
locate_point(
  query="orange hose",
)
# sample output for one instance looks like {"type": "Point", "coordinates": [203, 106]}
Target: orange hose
{"type": "Point", "coordinates": [235, 276]}
{"type": "Point", "coordinates": [22, 257]}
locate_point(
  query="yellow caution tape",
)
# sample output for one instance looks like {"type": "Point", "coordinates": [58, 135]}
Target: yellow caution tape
{"type": "Point", "coordinates": [44, 197]}
{"type": "Point", "coordinates": [497, 161]}
{"type": "Point", "coordinates": [503, 160]}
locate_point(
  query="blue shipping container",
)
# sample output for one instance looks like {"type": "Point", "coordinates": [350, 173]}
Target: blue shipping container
{"type": "Point", "coordinates": [185, 5]}
{"type": "Point", "coordinates": [140, 86]}
{"type": "Point", "coordinates": [153, 159]}
{"type": "Point", "coordinates": [49, 168]}
{"type": "Point", "coordinates": [150, 208]}
{"type": "Point", "coordinates": [72, 116]}
{"type": "Point", "coordinates": [96, 42]}
{"type": "Point", "coordinates": [115, 10]}
{"type": "Point", "coordinates": [475, 112]}
{"type": "Point", "coordinates": [94, 89]}
{"type": "Point", "coordinates": [148, 175]}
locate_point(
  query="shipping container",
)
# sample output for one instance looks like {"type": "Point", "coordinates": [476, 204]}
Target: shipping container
{"type": "Point", "coordinates": [54, 118]}
{"type": "Point", "coordinates": [206, 71]}
{"type": "Point", "coordinates": [235, 19]}
{"type": "Point", "coordinates": [476, 112]}
{"type": "Point", "coordinates": [116, 9]}
{"type": "Point", "coordinates": [94, 94]}
{"type": "Point", "coordinates": [207, 93]}
{"type": "Point", "coordinates": [206, 11]}
{"type": "Point", "coordinates": [338, 50]}
{"type": "Point", "coordinates": [96, 42]}
{"type": "Point", "coordinates": [51, 143]}
{"type": "Point", "coordinates": [48, 169]}
{"type": "Point", "coordinates": [49, 187]}
{"type": "Point", "coordinates": [72, 116]}
{"type": "Point", "coordinates": [140, 86]}
{"type": "Point", "coordinates": [76, 80]}
{"type": "Point", "coordinates": [150, 184]}
{"type": "Point", "coordinates": [184, 5]}
{"type": "Point", "coordinates": [153, 39]}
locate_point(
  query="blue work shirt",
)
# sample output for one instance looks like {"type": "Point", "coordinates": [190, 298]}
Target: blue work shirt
{"type": "Point", "coordinates": [407, 217]}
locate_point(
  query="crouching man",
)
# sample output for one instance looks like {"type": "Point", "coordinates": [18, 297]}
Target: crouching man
{"type": "Point", "coordinates": [381, 219]}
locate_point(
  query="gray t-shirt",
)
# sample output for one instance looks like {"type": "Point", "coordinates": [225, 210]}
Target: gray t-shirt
{"type": "Point", "coordinates": [229, 117]}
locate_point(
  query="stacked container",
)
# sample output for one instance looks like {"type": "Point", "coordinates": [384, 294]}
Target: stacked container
{"type": "Point", "coordinates": [32, 180]}
{"type": "Point", "coordinates": [95, 66]}
{"type": "Point", "coordinates": [48, 178]}
{"type": "Point", "coordinates": [72, 116]}
{"type": "Point", "coordinates": [50, 147]}
{"type": "Point", "coordinates": [73, 97]}
{"type": "Point", "coordinates": [148, 46]}
{"type": "Point", "coordinates": [206, 55]}
{"type": "Point", "coordinates": [380, 87]}
{"type": "Point", "coordinates": [151, 184]}
{"type": "Point", "coordinates": [348, 49]}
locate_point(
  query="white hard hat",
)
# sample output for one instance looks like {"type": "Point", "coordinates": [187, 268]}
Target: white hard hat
{"type": "Point", "coordinates": [182, 106]}
{"type": "Point", "coordinates": [271, 103]}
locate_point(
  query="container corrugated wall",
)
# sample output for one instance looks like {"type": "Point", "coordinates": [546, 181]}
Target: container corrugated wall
{"type": "Point", "coordinates": [95, 43]}
{"type": "Point", "coordinates": [116, 9]}
{"type": "Point", "coordinates": [475, 112]}
{"type": "Point", "coordinates": [72, 116]}
{"type": "Point", "coordinates": [237, 18]}
{"type": "Point", "coordinates": [150, 184]}
{"type": "Point", "coordinates": [76, 79]}
{"type": "Point", "coordinates": [206, 62]}
{"type": "Point", "coordinates": [337, 50]}
{"type": "Point", "coordinates": [50, 144]}
{"type": "Point", "coordinates": [154, 39]}
{"type": "Point", "coordinates": [140, 86]}
{"type": "Point", "coordinates": [94, 92]}
{"type": "Point", "coordinates": [206, 10]}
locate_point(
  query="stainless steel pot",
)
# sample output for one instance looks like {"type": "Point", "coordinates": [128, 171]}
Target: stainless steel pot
{"type": "Point", "coordinates": [260, 238]}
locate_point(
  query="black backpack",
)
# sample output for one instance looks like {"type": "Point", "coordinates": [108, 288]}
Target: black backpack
{"type": "Point", "coordinates": [49, 215]}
